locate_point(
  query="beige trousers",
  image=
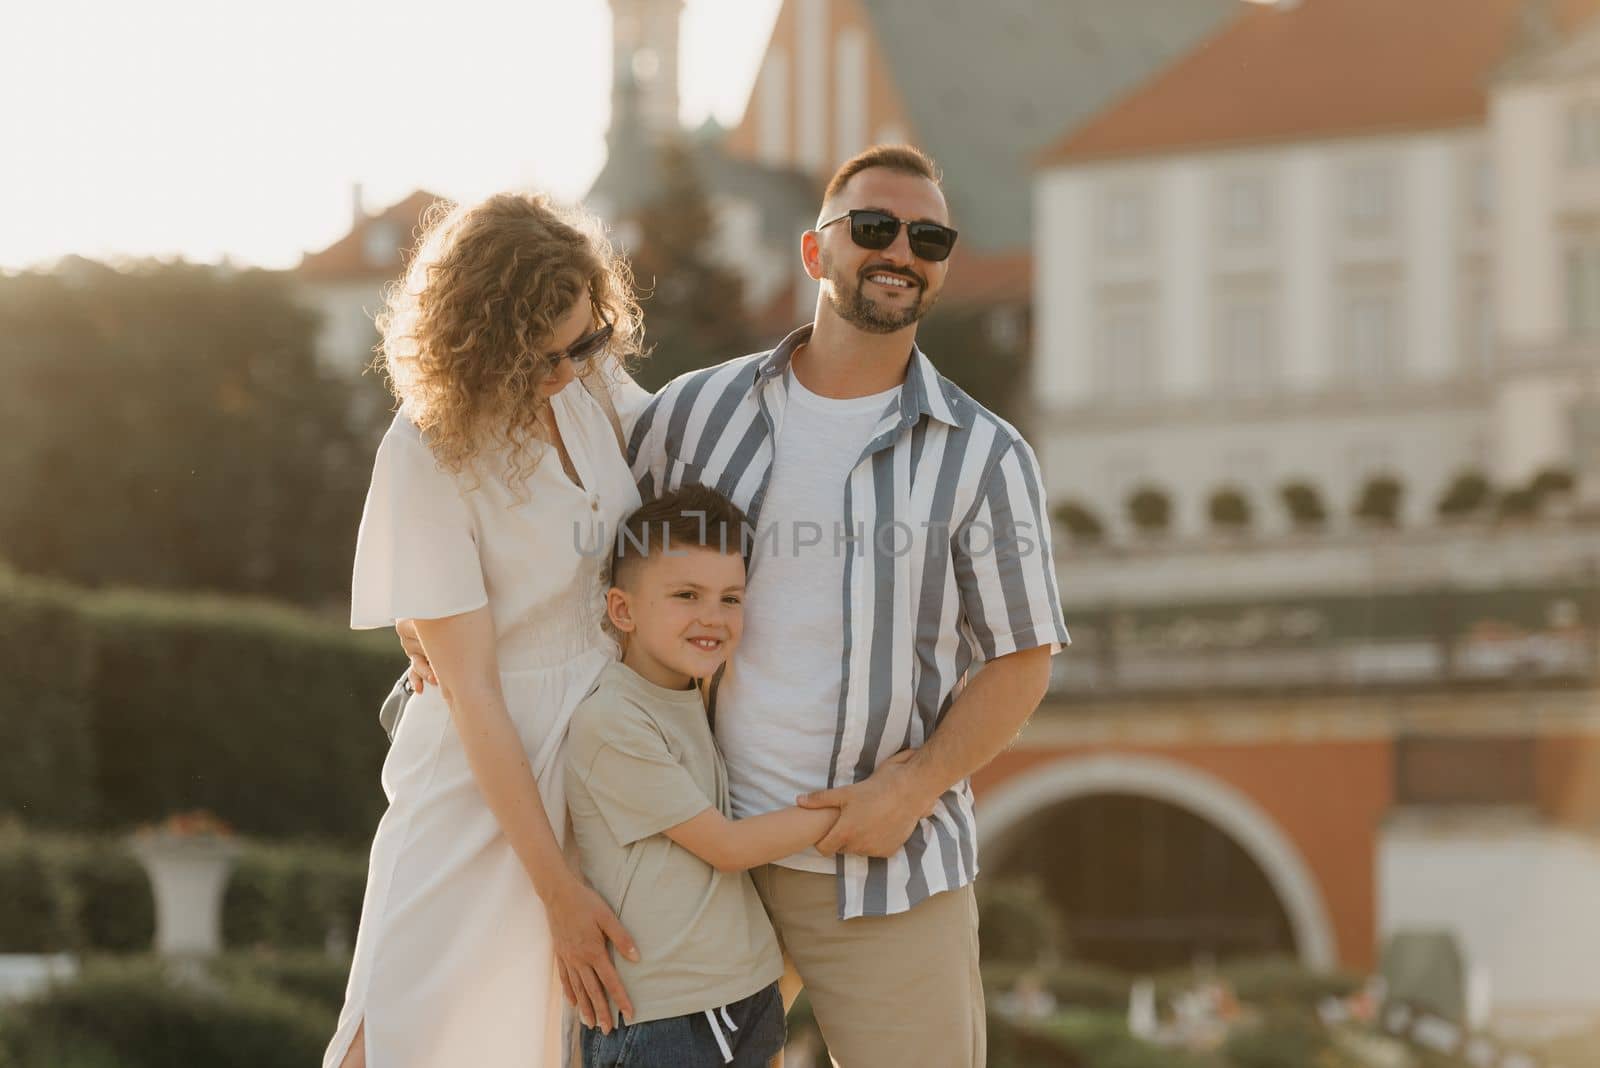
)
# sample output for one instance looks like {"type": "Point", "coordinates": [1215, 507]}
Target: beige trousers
{"type": "Point", "coordinates": [886, 990]}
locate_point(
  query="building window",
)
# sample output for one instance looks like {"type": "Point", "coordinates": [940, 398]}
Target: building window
{"type": "Point", "coordinates": [1371, 342]}
{"type": "Point", "coordinates": [1244, 209]}
{"type": "Point", "coordinates": [1478, 327]}
{"type": "Point", "coordinates": [1480, 190]}
{"type": "Point", "coordinates": [1369, 199]}
{"type": "Point", "coordinates": [1126, 364]}
{"type": "Point", "coordinates": [1125, 222]}
{"type": "Point", "coordinates": [381, 243]}
{"type": "Point", "coordinates": [1583, 133]}
{"type": "Point", "coordinates": [1246, 363]}
{"type": "Point", "coordinates": [1583, 287]}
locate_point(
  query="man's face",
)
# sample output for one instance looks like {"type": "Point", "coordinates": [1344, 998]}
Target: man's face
{"type": "Point", "coordinates": [881, 291]}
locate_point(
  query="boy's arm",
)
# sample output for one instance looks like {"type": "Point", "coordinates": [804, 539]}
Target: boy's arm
{"type": "Point", "coordinates": [738, 845]}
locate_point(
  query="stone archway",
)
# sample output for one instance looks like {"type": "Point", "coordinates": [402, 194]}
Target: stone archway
{"type": "Point", "coordinates": [1011, 803]}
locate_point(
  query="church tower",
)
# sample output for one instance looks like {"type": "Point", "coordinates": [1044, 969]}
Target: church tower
{"type": "Point", "coordinates": [644, 43]}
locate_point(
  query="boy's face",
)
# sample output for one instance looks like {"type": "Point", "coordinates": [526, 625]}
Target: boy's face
{"type": "Point", "coordinates": [683, 612]}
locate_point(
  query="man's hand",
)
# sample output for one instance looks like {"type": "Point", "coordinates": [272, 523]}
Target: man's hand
{"type": "Point", "coordinates": [878, 814]}
{"type": "Point", "coordinates": [421, 672]}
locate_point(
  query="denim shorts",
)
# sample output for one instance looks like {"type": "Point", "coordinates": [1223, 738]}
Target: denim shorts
{"type": "Point", "coordinates": [751, 1030]}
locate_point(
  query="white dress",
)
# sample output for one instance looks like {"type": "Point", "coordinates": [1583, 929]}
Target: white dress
{"type": "Point", "coordinates": [453, 960]}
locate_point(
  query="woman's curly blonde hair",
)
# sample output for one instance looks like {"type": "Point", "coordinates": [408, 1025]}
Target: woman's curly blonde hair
{"type": "Point", "coordinates": [467, 330]}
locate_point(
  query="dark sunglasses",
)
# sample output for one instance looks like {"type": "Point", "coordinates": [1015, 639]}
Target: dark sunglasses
{"type": "Point", "coordinates": [586, 347]}
{"type": "Point", "coordinates": [877, 230]}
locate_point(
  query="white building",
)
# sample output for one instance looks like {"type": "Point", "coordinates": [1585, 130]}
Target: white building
{"type": "Point", "coordinates": [1329, 244]}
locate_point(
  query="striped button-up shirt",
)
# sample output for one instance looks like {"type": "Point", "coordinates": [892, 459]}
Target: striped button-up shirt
{"type": "Point", "coordinates": [947, 564]}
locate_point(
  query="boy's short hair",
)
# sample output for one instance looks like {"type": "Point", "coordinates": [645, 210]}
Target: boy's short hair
{"type": "Point", "coordinates": [692, 516]}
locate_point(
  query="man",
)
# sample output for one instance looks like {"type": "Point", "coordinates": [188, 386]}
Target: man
{"type": "Point", "coordinates": [900, 540]}
{"type": "Point", "coordinates": [901, 536]}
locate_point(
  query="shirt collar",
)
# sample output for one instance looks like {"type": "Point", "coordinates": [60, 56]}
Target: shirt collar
{"type": "Point", "coordinates": [921, 394]}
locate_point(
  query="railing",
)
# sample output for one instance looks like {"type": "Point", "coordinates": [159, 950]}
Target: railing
{"type": "Point", "coordinates": [1335, 643]}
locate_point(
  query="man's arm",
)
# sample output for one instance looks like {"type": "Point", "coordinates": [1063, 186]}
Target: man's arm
{"type": "Point", "coordinates": [878, 814]}
{"type": "Point", "coordinates": [738, 845]}
{"type": "Point", "coordinates": [1009, 601]}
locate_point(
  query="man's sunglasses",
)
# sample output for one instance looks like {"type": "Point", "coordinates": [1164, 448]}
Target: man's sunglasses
{"type": "Point", "coordinates": [586, 347]}
{"type": "Point", "coordinates": [877, 230]}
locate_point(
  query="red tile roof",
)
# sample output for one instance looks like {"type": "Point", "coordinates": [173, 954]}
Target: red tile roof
{"type": "Point", "coordinates": [1324, 68]}
{"type": "Point", "coordinates": [349, 256]}
{"type": "Point", "coordinates": [989, 278]}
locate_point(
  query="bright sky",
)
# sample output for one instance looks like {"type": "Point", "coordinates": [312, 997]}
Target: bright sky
{"type": "Point", "coordinates": [212, 127]}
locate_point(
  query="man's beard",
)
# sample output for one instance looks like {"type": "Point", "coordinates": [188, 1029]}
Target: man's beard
{"type": "Point", "coordinates": [849, 300]}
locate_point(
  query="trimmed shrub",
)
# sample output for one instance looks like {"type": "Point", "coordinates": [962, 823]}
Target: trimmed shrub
{"type": "Point", "coordinates": [1150, 510]}
{"type": "Point", "coordinates": [1519, 504]}
{"type": "Point", "coordinates": [1279, 980]}
{"type": "Point", "coordinates": [1552, 482]}
{"type": "Point", "coordinates": [73, 894]}
{"type": "Point", "coordinates": [1014, 1045]}
{"type": "Point", "coordinates": [1467, 495]}
{"type": "Point", "coordinates": [46, 766]}
{"type": "Point", "coordinates": [1081, 524]}
{"type": "Point", "coordinates": [309, 975]}
{"type": "Point", "coordinates": [1229, 509]}
{"type": "Point", "coordinates": [1017, 922]}
{"type": "Point", "coordinates": [1102, 1039]}
{"type": "Point", "coordinates": [152, 1020]}
{"type": "Point", "coordinates": [258, 714]}
{"type": "Point", "coordinates": [1379, 503]}
{"type": "Point", "coordinates": [1284, 1039]}
{"type": "Point", "coordinates": [37, 914]}
{"type": "Point", "coordinates": [123, 708]}
{"type": "Point", "coordinates": [290, 897]}
{"type": "Point", "coordinates": [112, 904]}
{"type": "Point", "coordinates": [1303, 504]}
{"type": "Point", "coordinates": [1074, 984]}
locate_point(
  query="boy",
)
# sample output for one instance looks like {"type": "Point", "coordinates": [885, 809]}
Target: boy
{"type": "Point", "coordinates": [648, 798]}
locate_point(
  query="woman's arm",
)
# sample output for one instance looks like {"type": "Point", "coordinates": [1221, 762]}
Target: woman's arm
{"type": "Point", "coordinates": [738, 845]}
{"type": "Point", "coordinates": [461, 651]}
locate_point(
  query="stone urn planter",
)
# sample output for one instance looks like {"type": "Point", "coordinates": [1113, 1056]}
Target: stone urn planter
{"type": "Point", "coordinates": [188, 859]}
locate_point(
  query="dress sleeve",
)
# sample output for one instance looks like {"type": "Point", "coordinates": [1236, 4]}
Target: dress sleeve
{"type": "Point", "coordinates": [416, 552]}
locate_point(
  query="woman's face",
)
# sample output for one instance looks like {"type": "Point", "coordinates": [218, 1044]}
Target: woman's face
{"type": "Point", "coordinates": [572, 326]}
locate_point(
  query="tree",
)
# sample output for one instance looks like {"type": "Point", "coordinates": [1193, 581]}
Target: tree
{"type": "Point", "coordinates": [990, 364]}
{"type": "Point", "coordinates": [693, 303]}
{"type": "Point", "coordinates": [170, 425]}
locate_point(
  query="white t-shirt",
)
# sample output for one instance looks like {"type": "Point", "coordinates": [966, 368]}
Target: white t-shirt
{"type": "Point", "coordinates": [778, 704]}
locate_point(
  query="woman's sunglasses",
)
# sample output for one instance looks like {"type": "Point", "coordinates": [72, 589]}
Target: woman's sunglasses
{"type": "Point", "coordinates": [586, 347]}
{"type": "Point", "coordinates": [877, 230]}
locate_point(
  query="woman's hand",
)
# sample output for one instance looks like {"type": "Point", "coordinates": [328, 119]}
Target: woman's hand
{"type": "Point", "coordinates": [581, 924]}
{"type": "Point", "coordinates": [421, 672]}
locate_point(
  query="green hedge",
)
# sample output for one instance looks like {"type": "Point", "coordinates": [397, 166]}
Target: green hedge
{"type": "Point", "coordinates": [138, 1014]}
{"type": "Point", "coordinates": [130, 707]}
{"type": "Point", "coordinates": [46, 765]}
{"type": "Point", "coordinates": [79, 894]}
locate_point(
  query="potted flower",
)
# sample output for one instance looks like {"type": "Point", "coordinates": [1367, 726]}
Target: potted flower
{"type": "Point", "coordinates": [188, 857]}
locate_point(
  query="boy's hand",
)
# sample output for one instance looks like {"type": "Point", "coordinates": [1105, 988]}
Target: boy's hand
{"type": "Point", "coordinates": [877, 815]}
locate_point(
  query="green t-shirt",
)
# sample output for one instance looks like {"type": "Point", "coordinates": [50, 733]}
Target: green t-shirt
{"type": "Point", "coordinates": [641, 758]}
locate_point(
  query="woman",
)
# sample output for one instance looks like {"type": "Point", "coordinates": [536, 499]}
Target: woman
{"type": "Point", "coordinates": [492, 476]}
